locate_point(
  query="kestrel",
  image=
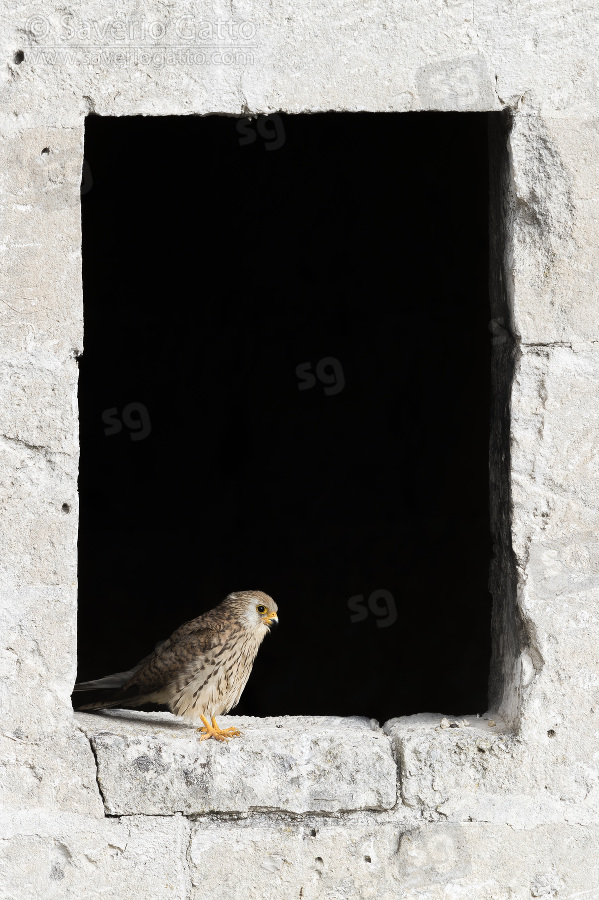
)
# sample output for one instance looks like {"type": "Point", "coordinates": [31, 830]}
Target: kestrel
{"type": "Point", "coordinates": [201, 670]}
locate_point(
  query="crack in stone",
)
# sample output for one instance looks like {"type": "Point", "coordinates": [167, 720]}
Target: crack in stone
{"type": "Point", "coordinates": [186, 862]}
{"type": "Point", "coordinates": [93, 749]}
{"type": "Point", "coordinates": [20, 442]}
{"type": "Point", "coordinates": [50, 457]}
{"type": "Point", "coordinates": [533, 344]}
{"type": "Point", "coordinates": [38, 448]}
{"type": "Point", "coordinates": [570, 345]}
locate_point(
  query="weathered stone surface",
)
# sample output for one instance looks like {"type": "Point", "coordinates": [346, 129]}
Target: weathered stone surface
{"type": "Point", "coordinates": [490, 862]}
{"type": "Point", "coordinates": [410, 55]}
{"type": "Point", "coordinates": [70, 857]}
{"type": "Point", "coordinates": [45, 760]}
{"type": "Point", "coordinates": [481, 773]}
{"type": "Point", "coordinates": [360, 861]}
{"type": "Point", "coordinates": [554, 210]}
{"type": "Point", "coordinates": [555, 498]}
{"type": "Point", "coordinates": [53, 770]}
{"type": "Point", "coordinates": [315, 859]}
{"type": "Point", "coordinates": [153, 763]}
{"type": "Point", "coordinates": [539, 60]}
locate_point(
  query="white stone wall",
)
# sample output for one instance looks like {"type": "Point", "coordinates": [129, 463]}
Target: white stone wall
{"type": "Point", "coordinates": [112, 807]}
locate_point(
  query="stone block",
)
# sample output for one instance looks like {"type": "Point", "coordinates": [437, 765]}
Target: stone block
{"type": "Point", "coordinates": [41, 312]}
{"type": "Point", "coordinates": [481, 773]}
{"type": "Point", "coordinates": [497, 862]}
{"type": "Point", "coordinates": [152, 763]}
{"type": "Point", "coordinates": [50, 770]}
{"type": "Point", "coordinates": [550, 266]}
{"type": "Point", "coordinates": [256, 860]}
{"type": "Point", "coordinates": [70, 857]}
{"type": "Point", "coordinates": [37, 632]}
{"type": "Point", "coordinates": [357, 860]}
{"type": "Point", "coordinates": [555, 521]}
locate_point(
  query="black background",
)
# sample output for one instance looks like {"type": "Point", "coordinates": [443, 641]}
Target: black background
{"type": "Point", "coordinates": [218, 255]}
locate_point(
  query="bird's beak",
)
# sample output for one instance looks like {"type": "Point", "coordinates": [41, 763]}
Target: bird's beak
{"type": "Point", "coordinates": [272, 620]}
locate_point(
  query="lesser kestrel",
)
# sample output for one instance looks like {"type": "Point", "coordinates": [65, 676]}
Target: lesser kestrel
{"type": "Point", "coordinates": [201, 670]}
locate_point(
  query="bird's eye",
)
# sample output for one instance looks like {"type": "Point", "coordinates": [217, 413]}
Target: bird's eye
{"type": "Point", "coordinates": [261, 609]}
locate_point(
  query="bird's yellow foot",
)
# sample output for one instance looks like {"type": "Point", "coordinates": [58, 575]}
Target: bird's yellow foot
{"type": "Point", "coordinates": [221, 734]}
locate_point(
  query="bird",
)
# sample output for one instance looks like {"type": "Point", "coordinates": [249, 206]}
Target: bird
{"type": "Point", "coordinates": [200, 671]}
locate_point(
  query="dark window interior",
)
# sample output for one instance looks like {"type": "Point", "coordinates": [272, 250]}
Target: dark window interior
{"type": "Point", "coordinates": [285, 386]}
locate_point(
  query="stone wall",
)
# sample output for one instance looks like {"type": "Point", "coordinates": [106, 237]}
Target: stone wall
{"type": "Point", "coordinates": [122, 806]}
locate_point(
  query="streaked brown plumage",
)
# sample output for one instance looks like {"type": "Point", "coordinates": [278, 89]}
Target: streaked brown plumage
{"type": "Point", "coordinates": [202, 669]}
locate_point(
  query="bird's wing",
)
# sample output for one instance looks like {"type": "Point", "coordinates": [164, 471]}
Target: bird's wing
{"type": "Point", "coordinates": [174, 661]}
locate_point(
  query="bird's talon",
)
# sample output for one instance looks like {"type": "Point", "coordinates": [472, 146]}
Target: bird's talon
{"type": "Point", "coordinates": [213, 730]}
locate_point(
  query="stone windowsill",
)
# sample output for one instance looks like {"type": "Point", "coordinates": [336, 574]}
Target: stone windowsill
{"type": "Point", "coordinates": [155, 764]}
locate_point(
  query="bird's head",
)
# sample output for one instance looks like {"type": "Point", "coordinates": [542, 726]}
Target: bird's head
{"type": "Point", "coordinates": [257, 609]}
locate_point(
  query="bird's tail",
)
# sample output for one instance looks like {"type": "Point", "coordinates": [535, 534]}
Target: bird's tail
{"type": "Point", "coordinates": [109, 682]}
{"type": "Point", "coordinates": [110, 686]}
{"type": "Point", "coordinates": [102, 704]}
{"type": "Point", "coordinates": [130, 703]}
